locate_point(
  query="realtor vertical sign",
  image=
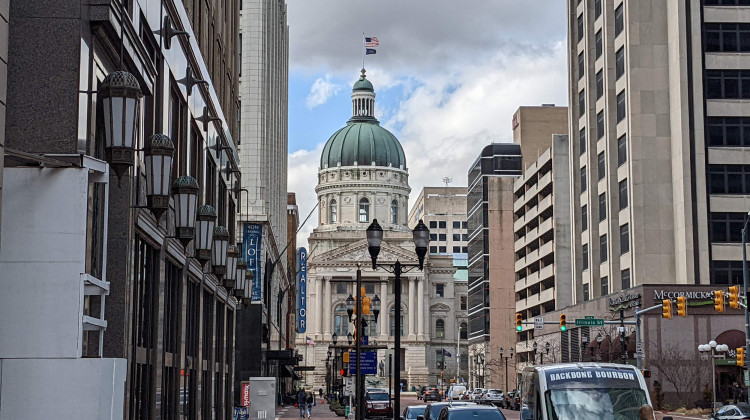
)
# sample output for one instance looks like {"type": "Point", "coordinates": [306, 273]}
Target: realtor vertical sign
{"type": "Point", "coordinates": [301, 290]}
{"type": "Point", "coordinates": [251, 244]}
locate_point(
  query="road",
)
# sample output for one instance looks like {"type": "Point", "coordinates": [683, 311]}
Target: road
{"type": "Point", "coordinates": [410, 400]}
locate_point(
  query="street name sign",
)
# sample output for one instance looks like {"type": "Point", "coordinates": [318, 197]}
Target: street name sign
{"type": "Point", "coordinates": [589, 322]}
{"type": "Point", "coordinates": [368, 362]}
{"type": "Point", "coordinates": [538, 323]}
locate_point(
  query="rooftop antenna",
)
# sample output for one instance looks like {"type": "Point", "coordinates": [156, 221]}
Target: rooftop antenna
{"type": "Point", "coordinates": [447, 180]}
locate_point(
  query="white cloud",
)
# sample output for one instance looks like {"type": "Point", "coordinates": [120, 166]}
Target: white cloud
{"type": "Point", "coordinates": [322, 90]}
{"type": "Point", "coordinates": [303, 170]}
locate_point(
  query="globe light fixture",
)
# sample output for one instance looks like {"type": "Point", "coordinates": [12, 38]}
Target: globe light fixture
{"type": "Point", "coordinates": [375, 306]}
{"type": "Point", "coordinates": [158, 160]}
{"type": "Point", "coordinates": [421, 240]}
{"type": "Point", "coordinates": [185, 196]}
{"type": "Point", "coordinates": [334, 338]}
{"type": "Point", "coordinates": [204, 233]}
{"type": "Point", "coordinates": [120, 95]}
{"type": "Point", "coordinates": [219, 250]}
{"type": "Point", "coordinates": [349, 338]}
{"type": "Point", "coordinates": [350, 307]}
{"type": "Point", "coordinates": [374, 239]}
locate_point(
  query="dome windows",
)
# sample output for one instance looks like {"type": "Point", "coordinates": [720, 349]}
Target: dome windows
{"type": "Point", "coordinates": [334, 212]}
{"type": "Point", "coordinates": [364, 210]}
{"type": "Point", "coordinates": [394, 212]}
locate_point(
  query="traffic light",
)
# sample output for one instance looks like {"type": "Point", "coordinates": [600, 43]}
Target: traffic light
{"type": "Point", "coordinates": [519, 320]}
{"type": "Point", "coordinates": [740, 356]}
{"type": "Point", "coordinates": [563, 325]}
{"type": "Point", "coordinates": [365, 306]}
{"type": "Point", "coordinates": [734, 297]}
{"type": "Point", "coordinates": [344, 372]}
{"type": "Point", "coordinates": [666, 309]}
{"type": "Point", "coordinates": [718, 301]}
{"type": "Point", "coordinates": [646, 373]}
{"type": "Point", "coordinates": [346, 357]}
{"type": "Point", "coordinates": [681, 306]}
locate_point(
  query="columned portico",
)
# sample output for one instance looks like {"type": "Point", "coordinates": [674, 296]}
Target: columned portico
{"type": "Point", "coordinates": [318, 308]}
{"type": "Point", "coordinates": [327, 308]}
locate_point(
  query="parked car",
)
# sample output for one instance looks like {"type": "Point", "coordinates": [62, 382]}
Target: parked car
{"type": "Point", "coordinates": [411, 412]}
{"type": "Point", "coordinates": [378, 405]}
{"type": "Point", "coordinates": [472, 412]}
{"type": "Point", "coordinates": [420, 393]}
{"type": "Point", "coordinates": [432, 411]}
{"type": "Point", "coordinates": [495, 397]}
{"type": "Point", "coordinates": [432, 394]}
{"type": "Point", "coordinates": [733, 411]}
{"type": "Point", "coordinates": [512, 400]}
{"type": "Point", "coordinates": [476, 394]}
{"type": "Point", "coordinates": [455, 392]}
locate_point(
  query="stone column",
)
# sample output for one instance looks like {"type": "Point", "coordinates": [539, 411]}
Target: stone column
{"type": "Point", "coordinates": [420, 309]}
{"type": "Point", "coordinates": [384, 318]}
{"type": "Point", "coordinates": [412, 308]}
{"type": "Point", "coordinates": [326, 302]}
{"type": "Point", "coordinates": [318, 307]}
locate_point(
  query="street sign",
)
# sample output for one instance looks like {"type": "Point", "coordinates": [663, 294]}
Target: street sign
{"type": "Point", "coordinates": [589, 317]}
{"type": "Point", "coordinates": [640, 356]}
{"type": "Point", "coordinates": [349, 385]}
{"type": "Point", "coordinates": [369, 362]}
{"type": "Point", "coordinates": [589, 322]}
{"type": "Point", "coordinates": [639, 347]}
{"type": "Point", "coordinates": [538, 323]}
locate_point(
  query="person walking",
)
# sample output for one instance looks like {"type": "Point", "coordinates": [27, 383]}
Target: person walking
{"type": "Point", "coordinates": [310, 401]}
{"type": "Point", "coordinates": [302, 403]}
{"type": "Point", "coordinates": [320, 393]}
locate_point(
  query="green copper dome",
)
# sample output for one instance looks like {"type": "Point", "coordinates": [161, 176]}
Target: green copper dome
{"type": "Point", "coordinates": [363, 143]}
{"type": "Point", "coordinates": [363, 84]}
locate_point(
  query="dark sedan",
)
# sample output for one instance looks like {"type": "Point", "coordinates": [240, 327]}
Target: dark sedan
{"type": "Point", "coordinates": [412, 412]}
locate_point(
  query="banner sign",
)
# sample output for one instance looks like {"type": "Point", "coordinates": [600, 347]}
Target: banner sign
{"type": "Point", "coordinates": [245, 394]}
{"type": "Point", "coordinates": [251, 244]}
{"type": "Point", "coordinates": [301, 290]}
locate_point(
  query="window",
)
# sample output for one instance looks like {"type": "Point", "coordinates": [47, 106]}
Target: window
{"type": "Point", "coordinates": [441, 224]}
{"type": "Point", "coordinates": [729, 179]}
{"type": "Point", "coordinates": [464, 237]}
{"type": "Point", "coordinates": [463, 225]}
{"type": "Point", "coordinates": [727, 84]}
{"type": "Point", "coordinates": [599, 44]}
{"type": "Point", "coordinates": [624, 239]}
{"type": "Point", "coordinates": [456, 236]}
{"type": "Point", "coordinates": [192, 319]}
{"type": "Point", "coordinates": [586, 292]}
{"type": "Point", "coordinates": [334, 211]}
{"type": "Point", "coordinates": [725, 227]}
{"type": "Point", "coordinates": [727, 37]}
{"type": "Point", "coordinates": [581, 66]}
{"type": "Point", "coordinates": [726, 272]}
{"type": "Point", "coordinates": [605, 286]}
{"type": "Point", "coordinates": [625, 277]}
{"type": "Point", "coordinates": [439, 328]}
{"type": "Point", "coordinates": [584, 217]}
{"type": "Point", "coordinates": [601, 165]}
{"type": "Point", "coordinates": [621, 106]}
{"type": "Point", "coordinates": [582, 140]}
{"type": "Point", "coordinates": [433, 237]}
{"type": "Point", "coordinates": [463, 302]}
{"type": "Point", "coordinates": [602, 206]}
{"type": "Point", "coordinates": [619, 19]}
{"type": "Point", "coordinates": [464, 249]}
{"type": "Point", "coordinates": [622, 150]}
{"type": "Point", "coordinates": [442, 249]}
{"type": "Point", "coordinates": [728, 131]}
{"type": "Point", "coordinates": [433, 250]}
{"type": "Point", "coordinates": [177, 131]}
{"type": "Point", "coordinates": [597, 9]}
{"type": "Point", "coordinates": [443, 237]}
{"type": "Point", "coordinates": [603, 248]}
{"type": "Point", "coordinates": [725, 2]}
{"type": "Point", "coordinates": [196, 152]}
{"type": "Point", "coordinates": [580, 28]}
{"type": "Point", "coordinates": [463, 331]}
{"type": "Point", "coordinates": [364, 210]}
{"type": "Point", "coordinates": [619, 63]}
{"type": "Point", "coordinates": [600, 125]}
{"type": "Point", "coordinates": [393, 323]}
{"type": "Point", "coordinates": [433, 224]}
{"type": "Point", "coordinates": [585, 254]}
{"type": "Point", "coordinates": [341, 288]}
{"type": "Point", "coordinates": [583, 179]}
{"type": "Point", "coordinates": [340, 321]}
{"type": "Point", "coordinates": [623, 194]}
{"type": "Point", "coordinates": [600, 84]}
{"type": "Point", "coordinates": [146, 294]}
{"type": "Point", "coordinates": [369, 288]}
{"type": "Point", "coordinates": [394, 212]}
{"type": "Point", "coordinates": [210, 189]}
{"type": "Point", "coordinates": [456, 249]}
{"type": "Point", "coordinates": [440, 290]}
{"type": "Point", "coordinates": [582, 102]}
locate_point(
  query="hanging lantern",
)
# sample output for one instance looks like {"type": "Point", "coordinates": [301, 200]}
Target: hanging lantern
{"type": "Point", "coordinates": [230, 278]}
{"type": "Point", "coordinates": [204, 233]}
{"type": "Point", "coordinates": [248, 287]}
{"type": "Point", "coordinates": [120, 95]}
{"type": "Point", "coordinates": [219, 250]}
{"type": "Point", "coordinates": [185, 194]}
{"type": "Point", "coordinates": [158, 159]}
{"type": "Point", "coordinates": [239, 290]}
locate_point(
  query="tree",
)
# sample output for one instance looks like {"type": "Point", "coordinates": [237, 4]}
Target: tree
{"type": "Point", "coordinates": [684, 371]}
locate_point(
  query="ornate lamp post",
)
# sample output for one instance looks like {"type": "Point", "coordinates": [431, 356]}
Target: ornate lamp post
{"type": "Point", "coordinates": [708, 352]}
{"type": "Point", "coordinates": [158, 159]}
{"type": "Point", "coordinates": [421, 237]}
{"type": "Point", "coordinates": [505, 358]}
{"type": "Point", "coordinates": [219, 251]}
{"type": "Point", "coordinates": [204, 233]}
{"type": "Point", "coordinates": [120, 95]}
{"type": "Point", "coordinates": [185, 195]}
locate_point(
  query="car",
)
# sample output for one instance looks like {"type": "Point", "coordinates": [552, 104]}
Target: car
{"type": "Point", "coordinates": [413, 411]}
{"type": "Point", "coordinates": [378, 405]}
{"type": "Point", "coordinates": [512, 400]}
{"type": "Point", "coordinates": [455, 392]}
{"type": "Point", "coordinates": [420, 393]}
{"type": "Point", "coordinates": [733, 411]}
{"type": "Point", "coordinates": [494, 397]}
{"type": "Point", "coordinates": [472, 412]}
{"type": "Point", "coordinates": [476, 394]}
{"type": "Point", "coordinates": [432, 394]}
{"type": "Point", "coordinates": [432, 411]}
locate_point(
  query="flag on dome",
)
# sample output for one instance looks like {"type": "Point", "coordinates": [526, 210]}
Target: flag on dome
{"type": "Point", "coordinates": [369, 51]}
{"type": "Point", "coordinates": [371, 41]}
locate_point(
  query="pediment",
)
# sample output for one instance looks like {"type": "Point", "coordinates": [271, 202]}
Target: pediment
{"type": "Point", "coordinates": [440, 307]}
{"type": "Point", "coordinates": [357, 252]}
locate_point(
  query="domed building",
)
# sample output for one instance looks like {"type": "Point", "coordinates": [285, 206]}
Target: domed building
{"type": "Point", "coordinates": [363, 175]}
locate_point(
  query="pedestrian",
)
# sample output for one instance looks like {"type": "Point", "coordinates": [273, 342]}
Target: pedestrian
{"type": "Point", "coordinates": [310, 401]}
{"type": "Point", "coordinates": [320, 392]}
{"type": "Point", "coordinates": [646, 413]}
{"type": "Point", "coordinates": [302, 402]}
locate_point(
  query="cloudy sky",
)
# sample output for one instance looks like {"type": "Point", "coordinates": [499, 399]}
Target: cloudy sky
{"type": "Point", "coordinates": [448, 77]}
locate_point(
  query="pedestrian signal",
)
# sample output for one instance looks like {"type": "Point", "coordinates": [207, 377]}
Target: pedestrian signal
{"type": "Point", "coordinates": [666, 309]}
{"type": "Point", "coordinates": [718, 301]}
{"type": "Point", "coordinates": [681, 306]}
{"type": "Point", "coordinates": [344, 372]}
{"type": "Point", "coordinates": [519, 320]}
{"type": "Point", "coordinates": [741, 356]}
{"type": "Point", "coordinates": [646, 373]}
{"type": "Point", "coordinates": [563, 324]}
{"type": "Point", "coordinates": [734, 297]}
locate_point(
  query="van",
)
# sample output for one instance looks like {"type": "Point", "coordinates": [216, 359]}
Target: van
{"type": "Point", "coordinates": [456, 392]}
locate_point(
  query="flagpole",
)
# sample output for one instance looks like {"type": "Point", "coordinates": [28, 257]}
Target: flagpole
{"type": "Point", "coordinates": [364, 50]}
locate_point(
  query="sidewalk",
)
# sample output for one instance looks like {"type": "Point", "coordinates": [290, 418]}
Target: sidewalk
{"type": "Point", "coordinates": [319, 411]}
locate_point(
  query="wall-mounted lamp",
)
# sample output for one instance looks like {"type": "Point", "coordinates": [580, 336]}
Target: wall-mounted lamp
{"type": "Point", "coordinates": [239, 289]}
{"type": "Point", "coordinates": [219, 251]}
{"type": "Point", "coordinates": [158, 159]}
{"type": "Point", "coordinates": [230, 278]}
{"type": "Point", "coordinates": [185, 195]}
{"type": "Point", "coordinates": [120, 94]}
{"type": "Point", "coordinates": [204, 233]}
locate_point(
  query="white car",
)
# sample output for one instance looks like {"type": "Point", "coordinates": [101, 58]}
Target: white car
{"type": "Point", "coordinates": [455, 392]}
{"type": "Point", "coordinates": [476, 394]}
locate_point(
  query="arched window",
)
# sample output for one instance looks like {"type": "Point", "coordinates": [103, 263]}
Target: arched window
{"type": "Point", "coordinates": [334, 212]}
{"type": "Point", "coordinates": [340, 321]}
{"type": "Point", "coordinates": [394, 212]}
{"type": "Point", "coordinates": [463, 332]}
{"type": "Point", "coordinates": [392, 318]}
{"type": "Point", "coordinates": [364, 210]}
{"type": "Point", "coordinates": [440, 328]}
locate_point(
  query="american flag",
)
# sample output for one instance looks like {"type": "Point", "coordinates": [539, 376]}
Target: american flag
{"type": "Point", "coordinates": [371, 42]}
{"type": "Point", "coordinates": [309, 341]}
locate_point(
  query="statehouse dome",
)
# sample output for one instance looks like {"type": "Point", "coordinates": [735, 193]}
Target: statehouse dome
{"type": "Point", "coordinates": [363, 141]}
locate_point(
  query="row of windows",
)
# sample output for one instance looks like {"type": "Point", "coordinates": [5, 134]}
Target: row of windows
{"type": "Point", "coordinates": [442, 224]}
{"type": "Point", "coordinates": [443, 237]}
{"type": "Point", "coordinates": [728, 131]}
{"type": "Point", "coordinates": [726, 2]}
{"type": "Point", "coordinates": [364, 211]}
{"type": "Point", "coordinates": [726, 227]}
{"type": "Point", "coordinates": [727, 84]}
{"type": "Point", "coordinates": [727, 37]}
{"type": "Point", "coordinates": [444, 249]}
{"type": "Point", "coordinates": [729, 179]}
{"type": "Point", "coordinates": [619, 20]}
{"type": "Point", "coordinates": [624, 276]}
{"type": "Point", "coordinates": [603, 256]}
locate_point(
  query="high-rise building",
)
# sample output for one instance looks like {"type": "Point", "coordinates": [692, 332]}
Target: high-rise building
{"type": "Point", "coordinates": [4, 9]}
{"type": "Point", "coordinates": [263, 145]}
{"type": "Point", "coordinates": [658, 145]}
{"type": "Point", "coordinates": [443, 210]}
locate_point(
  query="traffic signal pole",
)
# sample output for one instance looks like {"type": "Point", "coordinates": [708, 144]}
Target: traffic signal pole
{"type": "Point", "coordinates": [744, 288]}
{"type": "Point", "coordinates": [358, 388]}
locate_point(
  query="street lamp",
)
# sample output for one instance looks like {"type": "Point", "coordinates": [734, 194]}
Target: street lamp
{"type": "Point", "coordinates": [334, 338]}
{"type": "Point", "coordinates": [421, 237]}
{"type": "Point", "coordinates": [709, 351]}
{"type": "Point", "coordinates": [120, 95]}
{"type": "Point", "coordinates": [219, 251]}
{"type": "Point", "coordinates": [505, 358]}
{"type": "Point", "coordinates": [204, 233]}
{"type": "Point", "coordinates": [350, 307]}
{"type": "Point", "coordinates": [241, 269]}
{"type": "Point", "coordinates": [546, 351]}
{"type": "Point", "coordinates": [349, 338]}
{"type": "Point", "coordinates": [480, 359]}
{"type": "Point", "coordinates": [230, 279]}
{"type": "Point", "coordinates": [375, 304]}
{"type": "Point", "coordinates": [534, 347]}
{"type": "Point", "coordinates": [185, 196]}
{"type": "Point", "coordinates": [158, 155]}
